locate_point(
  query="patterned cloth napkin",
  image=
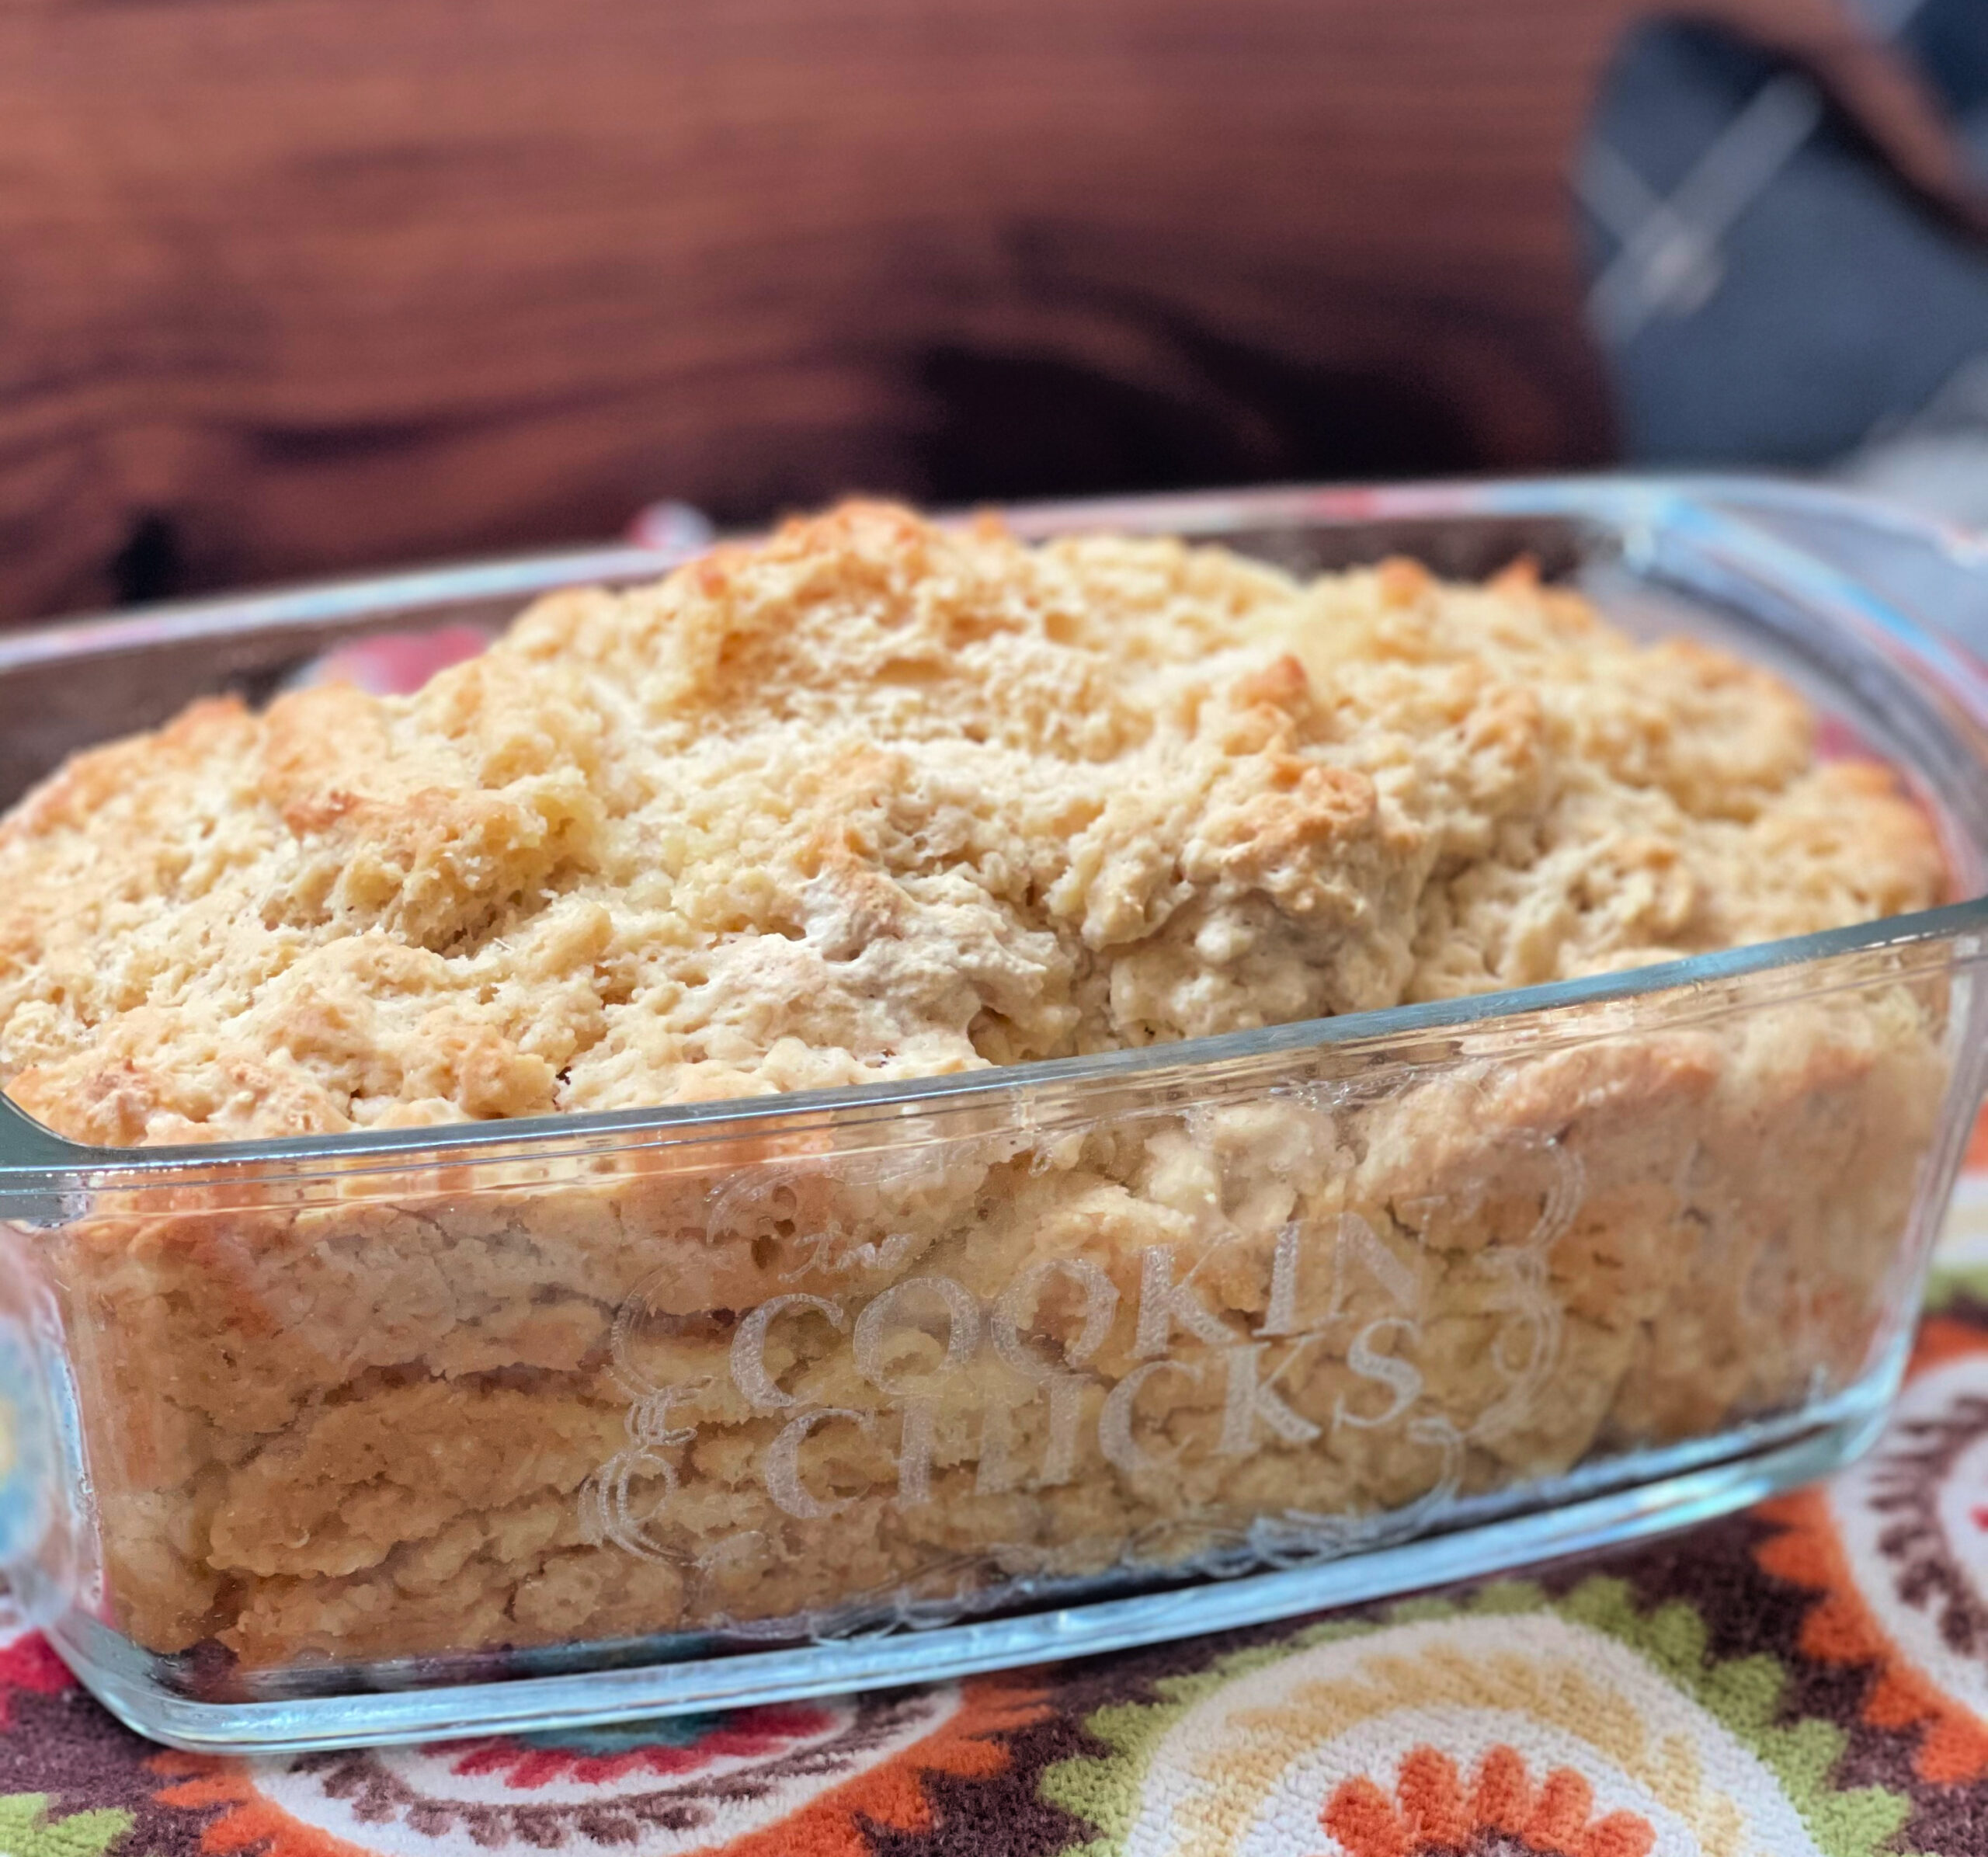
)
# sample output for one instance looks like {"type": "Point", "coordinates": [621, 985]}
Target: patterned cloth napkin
{"type": "Point", "coordinates": [1810, 1678]}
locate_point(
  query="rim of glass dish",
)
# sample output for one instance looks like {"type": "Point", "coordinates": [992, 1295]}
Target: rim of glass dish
{"type": "Point", "coordinates": [35, 1159]}
{"type": "Point", "coordinates": [1617, 497]}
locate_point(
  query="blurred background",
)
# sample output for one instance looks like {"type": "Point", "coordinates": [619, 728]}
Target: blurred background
{"type": "Point", "coordinates": [291, 287]}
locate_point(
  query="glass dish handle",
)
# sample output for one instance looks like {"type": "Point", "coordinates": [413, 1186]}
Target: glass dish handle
{"type": "Point", "coordinates": [34, 1161]}
{"type": "Point", "coordinates": [1934, 573]}
{"type": "Point", "coordinates": [38, 1562]}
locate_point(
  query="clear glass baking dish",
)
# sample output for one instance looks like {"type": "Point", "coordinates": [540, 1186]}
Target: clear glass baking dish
{"type": "Point", "coordinates": [506, 1426]}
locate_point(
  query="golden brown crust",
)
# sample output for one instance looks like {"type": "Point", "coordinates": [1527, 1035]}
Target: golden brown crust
{"type": "Point", "coordinates": [874, 800]}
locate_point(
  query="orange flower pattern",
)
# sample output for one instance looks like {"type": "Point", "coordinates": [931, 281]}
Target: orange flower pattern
{"type": "Point", "coordinates": [1896, 1548]}
{"type": "Point", "coordinates": [1434, 1814]}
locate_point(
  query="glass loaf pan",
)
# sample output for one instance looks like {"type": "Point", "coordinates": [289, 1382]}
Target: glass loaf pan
{"type": "Point", "coordinates": [512, 1425]}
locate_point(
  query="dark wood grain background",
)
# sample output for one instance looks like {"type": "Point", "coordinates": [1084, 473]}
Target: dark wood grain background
{"type": "Point", "coordinates": [293, 285]}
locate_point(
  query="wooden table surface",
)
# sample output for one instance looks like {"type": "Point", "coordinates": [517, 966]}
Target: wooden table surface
{"type": "Point", "coordinates": [293, 285]}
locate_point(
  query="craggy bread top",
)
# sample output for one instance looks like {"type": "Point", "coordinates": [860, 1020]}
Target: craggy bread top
{"type": "Point", "coordinates": [875, 799]}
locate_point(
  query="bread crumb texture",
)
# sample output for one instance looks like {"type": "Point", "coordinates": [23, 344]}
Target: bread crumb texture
{"type": "Point", "coordinates": [875, 800]}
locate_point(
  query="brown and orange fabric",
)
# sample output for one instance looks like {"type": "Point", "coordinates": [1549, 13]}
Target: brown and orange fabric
{"type": "Point", "coordinates": [1807, 1680]}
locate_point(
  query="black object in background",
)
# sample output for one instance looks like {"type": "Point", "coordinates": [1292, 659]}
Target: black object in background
{"type": "Point", "coordinates": [1766, 289]}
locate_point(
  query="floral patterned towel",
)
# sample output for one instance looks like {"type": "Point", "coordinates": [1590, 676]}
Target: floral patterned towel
{"type": "Point", "coordinates": [1809, 1677]}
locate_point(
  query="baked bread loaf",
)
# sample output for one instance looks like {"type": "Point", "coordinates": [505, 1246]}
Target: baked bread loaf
{"type": "Point", "coordinates": [877, 800]}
